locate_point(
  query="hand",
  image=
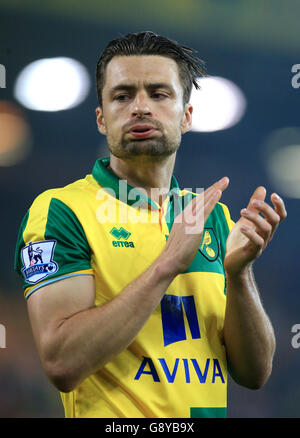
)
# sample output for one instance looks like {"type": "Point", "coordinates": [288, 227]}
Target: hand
{"type": "Point", "coordinates": [253, 232]}
{"type": "Point", "coordinates": [186, 234]}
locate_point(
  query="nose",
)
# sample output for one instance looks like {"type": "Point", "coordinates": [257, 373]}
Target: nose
{"type": "Point", "coordinates": [141, 105]}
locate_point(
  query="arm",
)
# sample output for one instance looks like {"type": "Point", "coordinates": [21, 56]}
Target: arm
{"type": "Point", "coordinates": [248, 333]}
{"type": "Point", "coordinates": [75, 338]}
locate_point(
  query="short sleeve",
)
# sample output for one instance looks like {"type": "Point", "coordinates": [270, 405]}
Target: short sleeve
{"type": "Point", "coordinates": [51, 245]}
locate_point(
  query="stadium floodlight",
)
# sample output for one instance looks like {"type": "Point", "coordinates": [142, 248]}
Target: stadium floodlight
{"type": "Point", "coordinates": [283, 169]}
{"type": "Point", "coordinates": [219, 104]}
{"type": "Point", "coordinates": [52, 84]}
{"type": "Point", "coordinates": [281, 156]}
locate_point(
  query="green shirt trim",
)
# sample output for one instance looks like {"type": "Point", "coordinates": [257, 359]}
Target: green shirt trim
{"type": "Point", "coordinates": [122, 190]}
{"type": "Point", "coordinates": [208, 412]}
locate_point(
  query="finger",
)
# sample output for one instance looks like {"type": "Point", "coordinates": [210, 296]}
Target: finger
{"type": "Point", "coordinates": [195, 218]}
{"type": "Point", "coordinates": [207, 202]}
{"type": "Point", "coordinates": [213, 194]}
{"type": "Point", "coordinates": [270, 214]}
{"type": "Point", "coordinates": [222, 184]}
{"type": "Point", "coordinates": [279, 206]}
{"type": "Point", "coordinates": [205, 196]}
{"type": "Point", "coordinates": [210, 203]}
{"type": "Point", "coordinates": [189, 212]}
{"type": "Point", "coordinates": [259, 194]}
{"type": "Point", "coordinates": [193, 206]}
{"type": "Point", "coordinates": [210, 192]}
{"type": "Point", "coordinates": [195, 212]}
{"type": "Point", "coordinates": [254, 238]}
{"type": "Point", "coordinates": [262, 226]}
{"type": "Point", "coordinates": [196, 202]}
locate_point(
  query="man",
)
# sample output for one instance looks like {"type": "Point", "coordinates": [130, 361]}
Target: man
{"type": "Point", "coordinates": [135, 318]}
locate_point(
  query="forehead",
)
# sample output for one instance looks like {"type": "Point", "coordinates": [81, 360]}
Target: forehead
{"type": "Point", "coordinates": [142, 68]}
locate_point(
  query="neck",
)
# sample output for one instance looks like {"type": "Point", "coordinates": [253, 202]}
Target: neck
{"type": "Point", "coordinates": [146, 173]}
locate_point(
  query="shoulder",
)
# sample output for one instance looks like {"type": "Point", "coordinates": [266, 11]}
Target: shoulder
{"type": "Point", "coordinates": [67, 194]}
{"type": "Point", "coordinates": [53, 210]}
{"type": "Point", "coordinates": [70, 199]}
{"type": "Point", "coordinates": [51, 228]}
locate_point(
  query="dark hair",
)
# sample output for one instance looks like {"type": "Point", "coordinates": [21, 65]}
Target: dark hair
{"type": "Point", "coordinates": [148, 43]}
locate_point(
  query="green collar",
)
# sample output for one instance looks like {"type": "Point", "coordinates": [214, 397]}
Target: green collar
{"type": "Point", "coordinates": [122, 190]}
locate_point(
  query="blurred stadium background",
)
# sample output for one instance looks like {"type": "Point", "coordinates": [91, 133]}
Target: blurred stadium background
{"type": "Point", "coordinates": [254, 45]}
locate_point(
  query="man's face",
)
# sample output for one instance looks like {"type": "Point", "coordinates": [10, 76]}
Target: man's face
{"type": "Point", "coordinates": [142, 106]}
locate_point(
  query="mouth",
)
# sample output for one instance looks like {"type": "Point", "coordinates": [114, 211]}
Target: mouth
{"type": "Point", "coordinates": [142, 131]}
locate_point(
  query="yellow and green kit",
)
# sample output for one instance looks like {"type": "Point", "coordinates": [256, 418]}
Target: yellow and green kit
{"type": "Point", "coordinates": [99, 225]}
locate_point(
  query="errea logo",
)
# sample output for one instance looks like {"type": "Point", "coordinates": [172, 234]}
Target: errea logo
{"type": "Point", "coordinates": [121, 234]}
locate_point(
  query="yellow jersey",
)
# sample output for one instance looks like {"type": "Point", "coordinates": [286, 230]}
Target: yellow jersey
{"type": "Point", "coordinates": [176, 367]}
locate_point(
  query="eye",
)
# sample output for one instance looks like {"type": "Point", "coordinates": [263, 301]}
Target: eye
{"type": "Point", "coordinates": [158, 95]}
{"type": "Point", "coordinates": [121, 97]}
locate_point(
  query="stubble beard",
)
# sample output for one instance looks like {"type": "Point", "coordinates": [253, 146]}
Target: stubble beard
{"type": "Point", "coordinates": [158, 148]}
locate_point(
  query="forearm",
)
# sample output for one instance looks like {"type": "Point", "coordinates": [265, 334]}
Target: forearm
{"type": "Point", "coordinates": [248, 333]}
{"type": "Point", "coordinates": [86, 341]}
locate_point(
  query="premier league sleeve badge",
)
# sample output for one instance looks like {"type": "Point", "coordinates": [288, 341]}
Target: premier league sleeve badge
{"type": "Point", "coordinates": [38, 260]}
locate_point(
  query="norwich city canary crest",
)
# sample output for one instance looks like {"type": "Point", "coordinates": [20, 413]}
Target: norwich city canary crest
{"type": "Point", "coordinates": [209, 247]}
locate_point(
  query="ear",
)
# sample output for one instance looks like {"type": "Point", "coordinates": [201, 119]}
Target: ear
{"type": "Point", "coordinates": [100, 121]}
{"type": "Point", "coordinates": [186, 123]}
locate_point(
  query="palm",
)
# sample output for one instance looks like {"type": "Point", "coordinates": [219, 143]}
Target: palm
{"type": "Point", "coordinates": [240, 251]}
